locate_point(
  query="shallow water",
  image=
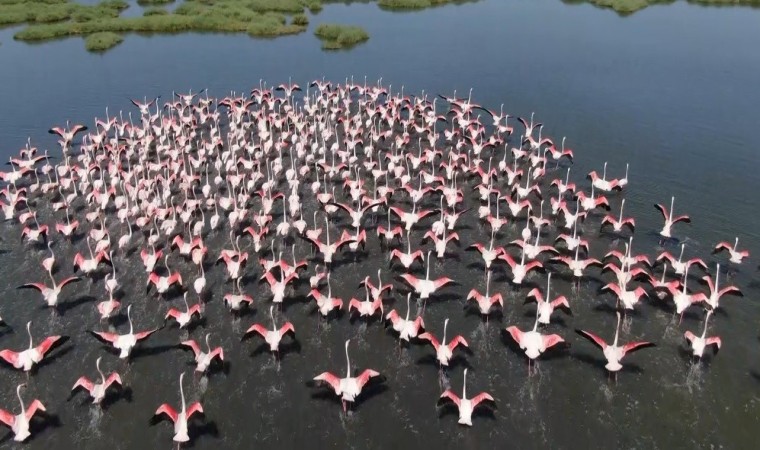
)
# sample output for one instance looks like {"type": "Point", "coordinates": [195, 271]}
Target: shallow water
{"type": "Point", "coordinates": [671, 90]}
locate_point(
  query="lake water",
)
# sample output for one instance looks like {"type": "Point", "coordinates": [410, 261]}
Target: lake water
{"type": "Point", "coordinates": [672, 90]}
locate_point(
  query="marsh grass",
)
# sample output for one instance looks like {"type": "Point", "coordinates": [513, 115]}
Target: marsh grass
{"type": "Point", "coordinates": [154, 2]}
{"type": "Point", "coordinates": [300, 19]}
{"type": "Point", "coordinates": [416, 4]}
{"type": "Point", "coordinates": [155, 11]}
{"type": "Point", "coordinates": [100, 42]}
{"type": "Point", "coordinates": [335, 36]}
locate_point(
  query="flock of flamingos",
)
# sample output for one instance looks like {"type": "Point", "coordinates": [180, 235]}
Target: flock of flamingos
{"type": "Point", "coordinates": [335, 167]}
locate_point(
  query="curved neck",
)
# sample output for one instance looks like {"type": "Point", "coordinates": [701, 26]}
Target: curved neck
{"type": "Point", "coordinates": [29, 332]}
{"type": "Point", "coordinates": [182, 392]}
{"type": "Point", "coordinates": [464, 385]}
{"type": "Point", "coordinates": [97, 365]}
{"type": "Point", "coordinates": [20, 400]}
{"type": "Point", "coordinates": [348, 362]}
{"type": "Point", "coordinates": [617, 331]}
{"type": "Point", "coordinates": [129, 319]}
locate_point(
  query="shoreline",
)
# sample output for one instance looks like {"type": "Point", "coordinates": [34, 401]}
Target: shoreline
{"type": "Point", "coordinates": [58, 19]}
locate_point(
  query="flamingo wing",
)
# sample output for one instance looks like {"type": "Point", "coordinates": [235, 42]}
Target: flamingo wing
{"type": "Point", "coordinates": [713, 340]}
{"type": "Point", "coordinates": [552, 340]}
{"type": "Point", "coordinates": [684, 218]}
{"type": "Point", "coordinates": [195, 408]}
{"type": "Point", "coordinates": [633, 346]}
{"type": "Point", "coordinates": [330, 379]}
{"type": "Point", "coordinates": [364, 377]}
{"type": "Point", "coordinates": [113, 378]}
{"type": "Point", "coordinates": [515, 333]}
{"type": "Point", "coordinates": [49, 342]}
{"type": "Point", "coordinates": [689, 336]}
{"type": "Point", "coordinates": [83, 382]}
{"type": "Point", "coordinates": [168, 410]}
{"type": "Point", "coordinates": [731, 290]}
{"type": "Point", "coordinates": [447, 394]}
{"type": "Point", "coordinates": [10, 357]}
{"type": "Point", "coordinates": [39, 286]}
{"type": "Point", "coordinates": [192, 345]}
{"type": "Point", "coordinates": [255, 328]}
{"type": "Point", "coordinates": [145, 334]}
{"type": "Point", "coordinates": [430, 338]}
{"type": "Point", "coordinates": [33, 408]}
{"type": "Point", "coordinates": [67, 281]}
{"type": "Point", "coordinates": [411, 280]}
{"type": "Point", "coordinates": [596, 340]}
{"type": "Point", "coordinates": [560, 301]}
{"type": "Point", "coordinates": [287, 328]}
{"type": "Point", "coordinates": [662, 210]}
{"type": "Point", "coordinates": [483, 396]}
{"type": "Point", "coordinates": [7, 418]}
{"type": "Point", "coordinates": [458, 340]}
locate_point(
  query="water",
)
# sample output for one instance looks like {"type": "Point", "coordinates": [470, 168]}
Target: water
{"type": "Point", "coordinates": [671, 90]}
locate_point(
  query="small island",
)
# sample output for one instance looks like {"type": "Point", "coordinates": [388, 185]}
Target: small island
{"type": "Point", "coordinates": [103, 27]}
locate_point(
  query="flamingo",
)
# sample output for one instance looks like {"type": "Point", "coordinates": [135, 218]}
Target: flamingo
{"type": "Point", "coordinates": [407, 329]}
{"type": "Point", "coordinates": [669, 220]}
{"type": "Point", "coordinates": [715, 292]}
{"type": "Point", "coordinates": [427, 286]}
{"type": "Point", "coordinates": [465, 405]}
{"type": "Point", "coordinates": [50, 294]}
{"type": "Point", "coordinates": [349, 387]}
{"type": "Point", "coordinates": [547, 307]}
{"type": "Point", "coordinates": [629, 299]}
{"type": "Point", "coordinates": [19, 423]}
{"type": "Point", "coordinates": [366, 308]}
{"type": "Point", "coordinates": [180, 418]}
{"type": "Point", "coordinates": [408, 258]}
{"type": "Point", "coordinates": [236, 301]}
{"type": "Point", "coordinates": [618, 223]}
{"type": "Point", "coordinates": [124, 342]}
{"type": "Point", "coordinates": [273, 336]}
{"type": "Point", "coordinates": [680, 266]}
{"type": "Point", "coordinates": [327, 303]}
{"type": "Point", "coordinates": [183, 318]}
{"type": "Point", "coordinates": [683, 299]}
{"type": "Point", "coordinates": [108, 308]}
{"type": "Point", "coordinates": [614, 353]}
{"type": "Point", "coordinates": [97, 390]}
{"type": "Point", "coordinates": [444, 351]}
{"type": "Point", "coordinates": [700, 343]}
{"type": "Point", "coordinates": [203, 359]}
{"type": "Point", "coordinates": [533, 343]}
{"type": "Point", "coordinates": [735, 256]}
{"type": "Point", "coordinates": [576, 264]}
{"type": "Point", "coordinates": [27, 359]}
{"type": "Point", "coordinates": [602, 183]}
{"type": "Point", "coordinates": [163, 283]}
{"type": "Point", "coordinates": [487, 301]}
{"type": "Point", "coordinates": [521, 270]}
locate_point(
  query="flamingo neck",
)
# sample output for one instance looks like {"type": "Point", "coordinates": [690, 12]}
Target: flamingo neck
{"type": "Point", "coordinates": [20, 400]}
{"type": "Point", "coordinates": [348, 363]}
{"type": "Point", "coordinates": [29, 332]}
{"type": "Point", "coordinates": [102, 376]}
{"type": "Point", "coordinates": [464, 385]}
{"type": "Point", "coordinates": [182, 393]}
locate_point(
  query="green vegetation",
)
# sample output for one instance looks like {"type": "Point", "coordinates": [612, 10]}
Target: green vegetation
{"type": "Point", "coordinates": [300, 19]}
{"type": "Point", "coordinates": [336, 37]}
{"type": "Point", "coordinates": [155, 11]}
{"type": "Point", "coordinates": [154, 2]}
{"type": "Point", "coordinates": [55, 19]}
{"type": "Point", "coordinates": [100, 42]}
